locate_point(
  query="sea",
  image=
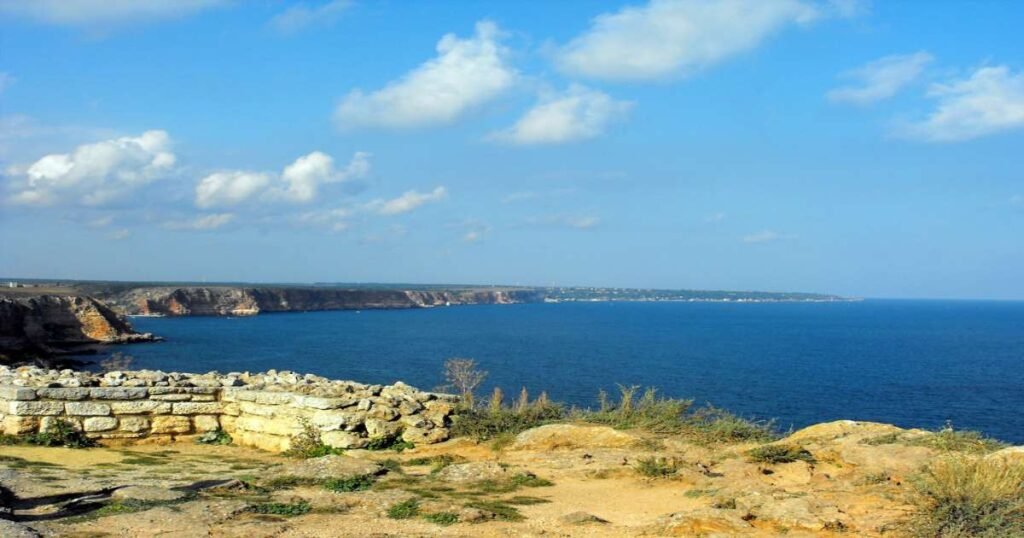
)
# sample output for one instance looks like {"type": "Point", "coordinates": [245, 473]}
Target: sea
{"type": "Point", "coordinates": [924, 364]}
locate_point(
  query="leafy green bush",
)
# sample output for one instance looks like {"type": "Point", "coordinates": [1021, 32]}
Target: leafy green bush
{"type": "Point", "coordinates": [215, 437]}
{"type": "Point", "coordinates": [355, 483]}
{"type": "Point", "coordinates": [292, 509]}
{"type": "Point", "coordinates": [960, 497]}
{"type": "Point", "coordinates": [781, 453]}
{"type": "Point", "coordinates": [656, 467]}
{"type": "Point", "coordinates": [442, 518]}
{"type": "Point", "coordinates": [405, 509]}
{"type": "Point", "coordinates": [60, 433]}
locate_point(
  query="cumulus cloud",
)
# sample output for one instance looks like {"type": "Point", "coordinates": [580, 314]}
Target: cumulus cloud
{"type": "Point", "coordinates": [94, 174]}
{"type": "Point", "coordinates": [301, 16]}
{"type": "Point", "coordinates": [880, 79]}
{"type": "Point", "coordinates": [299, 182]}
{"type": "Point", "coordinates": [103, 12]}
{"type": "Point", "coordinates": [578, 113]}
{"type": "Point", "coordinates": [989, 101]}
{"type": "Point", "coordinates": [675, 37]}
{"type": "Point", "coordinates": [765, 236]}
{"type": "Point", "coordinates": [465, 74]}
{"type": "Point", "coordinates": [408, 201]}
{"type": "Point", "coordinates": [202, 222]}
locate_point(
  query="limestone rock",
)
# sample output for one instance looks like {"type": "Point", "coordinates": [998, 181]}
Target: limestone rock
{"type": "Point", "coordinates": [581, 518]}
{"type": "Point", "coordinates": [555, 436]}
{"type": "Point", "coordinates": [147, 493]}
{"type": "Point", "coordinates": [332, 466]}
{"type": "Point", "coordinates": [10, 529]}
{"type": "Point", "coordinates": [842, 428]}
{"type": "Point", "coordinates": [473, 472]}
{"type": "Point", "coordinates": [706, 522]}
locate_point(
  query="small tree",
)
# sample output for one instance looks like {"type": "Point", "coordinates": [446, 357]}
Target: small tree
{"type": "Point", "coordinates": [465, 376]}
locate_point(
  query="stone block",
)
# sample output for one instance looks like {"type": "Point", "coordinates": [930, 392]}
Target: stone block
{"type": "Point", "coordinates": [99, 424]}
{"type": "Point", "coordinates": [420, 436]}
{"type": "Point", "coordinates": [20, 425]}
{"type": "Point", "coordinates": [316, 402]}
{"type": "Point", "coordinates": [336, 420]}
{"type": "Point", "coordinates": [17, 393]}
{"type": "Point", "coordinates": [87, 409]}
{"type": "Point", "coordinates": [273, 398]}
{"type": "Point", "coordinates": [195, 408]}
{"type": "Point", "coordinates": [231, 409]}
{"type": "Point", "coordinates": [255, 409]}
{"type": "Point", "coordinates": [63, 393]}
{"type": "Point", "coordinates": [285, 428]}
{"type": "Point", "coordinates": [383, 413]}
{"type": "Point", "coordinates": [118, 393]}
{"type": "Point", "coordinates": [206, 423]}
{"type": "Point", "coordinates": [36, 408]}
{"type": "Point", "coordinates": [344, 440]}
{"type": "Point", "coordinates": [415, 421]}
{"type": "Point", "coordinates": [133, 424]}
{"type": "Point", "coordinates": [171, 424]}
{"type": "Point", "coordinates": [171, 397]}
{"type": "Point", "coordinates": [262, 441]}
{"type": "Point", "coordinates": [203, 397]}
{"type": "Point", "coordinates": [48, 423]}
{"type": "Point", "coordinates": [377, 428]}
{"type": "Point", "coordinates": [140, 407]}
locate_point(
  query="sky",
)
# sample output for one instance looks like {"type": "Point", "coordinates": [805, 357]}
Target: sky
{"type": "Point", "coordinates": [838, 146]}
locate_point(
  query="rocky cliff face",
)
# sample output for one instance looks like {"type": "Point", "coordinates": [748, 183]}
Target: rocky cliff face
{"type": "Point", "coordinates": [50, 323]}
{"type": "Point", "coordinates": [231, 301]}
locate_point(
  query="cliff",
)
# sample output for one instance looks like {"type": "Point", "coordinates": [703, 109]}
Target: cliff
{"type": "Point", "coordinates": [241, 301]}
{"type": "Point", "coordinates": [49, 324]}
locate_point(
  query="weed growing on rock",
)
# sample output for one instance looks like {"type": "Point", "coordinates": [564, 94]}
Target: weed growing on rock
{"type": "Point", "coordinates": [947, 439]}
{"type": "Point", "coordinates": [60, 433]}
{"type": "Point", "coordinates": [292, 509]}
{"type": "Point", "coordinates": [530, 480]}
{"type": "Point", "coordinates": [442, 518]}
{"type": "Point", "coordinates": [497, 420]}
{"type": "Point", "coordinates": [308, 444]}
{"type": "Point", "coordinates": [958, 497]}
{"type": "Point", "coordinates": [215, 437]}
{"type": "Point", "coordinates": [501, 510]}
{"type": "Point", "coordinates": [405, 509]}
{"type": "Point", "coordinates": [390, 442]}
{"type": "Point", "coordinates": [355, 483]}
{"type": "Point", "coordinates": [772, 454]}
{"type": "Point", "coordinates": [657, 467]}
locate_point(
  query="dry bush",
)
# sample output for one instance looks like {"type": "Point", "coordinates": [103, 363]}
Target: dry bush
{"type": "Point", "coordinates": [465, 376]}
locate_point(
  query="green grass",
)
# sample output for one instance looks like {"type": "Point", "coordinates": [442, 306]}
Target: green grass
{"type": "Point", "coordinates": [308, 444]}
{"type": "Point", "coordinates": [292, 509]}
{"type": "Point", "coordinates": [525, 500]}
{"type": "Point", "coordinates": [946, 440]}
{"type": "Point", "coordinates": [442, 518]}
{"type": "Point", "coordinates": [491, 423]}
{"type": "Point", "coordinates": [781, 453]}
{"type": "Point", "coordinates": [960, 497]}
{"type": "Point", "coordinates": [501, 510]}
{"type": "Point", "coordinates": [390, 442]}
{"type": "Point", "coordinates": [391, 465]}
{"type": "Point", "coordinates": [656, 467]}
{"type": "Point", "coordinates": [405, 509]}
{"type": "Point", "coordinates": [530, 480]}
{"type": "Point", "coordinates": [215, 437]}
{"type": "Point", "coordinates": [355, 483]}
{"type": "Point", "coordinates": [437, 463]}
{"type": "Point", "coordinates": [60, 433]}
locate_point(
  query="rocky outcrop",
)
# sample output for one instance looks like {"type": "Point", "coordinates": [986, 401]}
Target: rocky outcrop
{"type": "Point", "coordinates": [48, 324]}
{"type": "Point", "coordinates": [241, 301]}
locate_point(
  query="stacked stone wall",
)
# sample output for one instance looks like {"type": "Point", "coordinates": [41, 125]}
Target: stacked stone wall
{"type": "Point", "coordinates": [259, 410]}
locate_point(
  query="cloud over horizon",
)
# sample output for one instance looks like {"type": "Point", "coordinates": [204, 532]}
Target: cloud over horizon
{"type": "Point", "coordinates": [665, 38]}
{"type": "Point", "coordinates": [94, 174]}
{"type": "Point", "coordinates": [465, 74]}
{"type": "Point", "coordinates": [302, 15]}
{"type": "Point", "coordinates": [880, 79]}
{"type": "Point", "coordinates": [579, 113]}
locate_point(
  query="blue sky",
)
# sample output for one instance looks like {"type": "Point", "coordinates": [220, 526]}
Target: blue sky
{"type": "Point", "coordinates": [868, 149]}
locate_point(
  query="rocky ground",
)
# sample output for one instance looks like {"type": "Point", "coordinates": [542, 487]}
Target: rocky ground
{"type": "Point", "coordinates": [556, 480]}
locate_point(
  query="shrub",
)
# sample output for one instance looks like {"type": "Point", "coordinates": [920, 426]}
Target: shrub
{"type": "Point", "coordinates": [649, 412]}
{"type": "Point", "coordinates": [784, 453]}
{"type": "Point", "coordinates": [709, 425]}
{"type": "Point", "coordinates": [293, 509]}
{"type": "Point", "coordinates": [656, 467]}
{"type": "Point", "coordinates": [530, 480]}
{"type": "Point", "coordinates": [308, 444]}
{"type": "Point", "coordinates": [405, 509]}
{"type": "Point", "coordinates": [442, 518]}
{"type": "Point", "coordinates": [963, 496]}
{"type": "Point", "coordinates": [501, 510]}
{"type": "Point", "coordinates": [215, 437]}
{"type": "Point", "coordinates": [355, 483]}
{"type": "Point", "coordinates": [950, 440]}
{"type": "Point", "coordinates": [491, 423]}
{"type": "Point", "coordinates": [464, 376]}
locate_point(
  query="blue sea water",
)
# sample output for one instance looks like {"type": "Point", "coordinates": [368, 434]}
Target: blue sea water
{"type": "Point", "coordinates": [911, 363]}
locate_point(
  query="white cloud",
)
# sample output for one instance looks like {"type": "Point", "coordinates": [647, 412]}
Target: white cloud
{"type": "Point", "coordinates": [103, 12]}
{"type": "Point", "coordinates": [880, 79]}
{"type": "Point", "coordinates": [94, 174]}
{"type": "Point", "coordinates": [465, 74]}
{"type": "Point", "coordinates": [408, 201]}
{"type": "Point", "coordinates": [298, 183]}
{"type": "Point", "coordinates": [991, 100]}
{"type": "Point", "coordinates": [202, 222]}
{"type": "Point", "coordinates": [6, 80]}
{"type": "Point", "coordinates": [675, 37]}
{"type": "Point", "coordinates": [230, 187]}
{"type": "Point", "coordinates": [579, 222]}
{"type": "Point", "coordinates": [301, 16]}
{"type": "Point", "coordinates": [118, 235]}
{"type": "Point", "coordinates": [577, 114]}
{"type": "Point", "coordinates": [766, 236]}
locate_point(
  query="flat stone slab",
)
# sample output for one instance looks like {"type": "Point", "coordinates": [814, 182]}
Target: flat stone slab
{"type": "Point", "coordinates": [568, 436]}
{"type": "Point", "coordinates": [147, 493]}
{"type": "Point", "coordinates": [332, 466]}
{"type": "Point", "coordinates": [473, 472]}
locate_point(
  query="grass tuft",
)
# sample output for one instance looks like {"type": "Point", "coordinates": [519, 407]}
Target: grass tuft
{"type": "Point", "coordinates": [405, 509]}
{"type": "Point", "coordinates": [215, 437]}
{"type": "Point", "coordinates": [783, 453]}
{"type": "Point", "coordinates": [656, 467]}
{"type": "Point", "coordinates": [442, 518]}
{"type": "Point", "coordinates": [292, 509]}
{"type": "Point", "coordinates": [343, 485]}
{"type": "Point", "coordinates": [308, 444]}
{"type": "Point", "coordinates": [959, 497]}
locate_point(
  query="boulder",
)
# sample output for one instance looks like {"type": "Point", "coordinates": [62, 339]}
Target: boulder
{"type": "Point", "coordinates": [472, 472]}
{"type": "Point", "coordinates": [842, 428]}
{"type": "Point", "coordinates": [332, 466]}
{"type": "Point", "coordinates": [567, 436]}
{"type": "Point", "coordinates": [147, 493]}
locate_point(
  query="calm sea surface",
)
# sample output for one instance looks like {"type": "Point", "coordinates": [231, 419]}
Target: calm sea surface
{"type": "Point", "coordinates": [912, 363]}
